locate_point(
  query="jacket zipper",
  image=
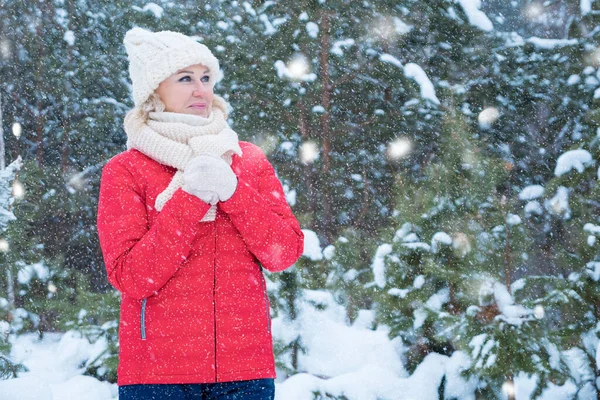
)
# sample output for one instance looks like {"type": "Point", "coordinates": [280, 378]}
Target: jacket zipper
{"type": "Point", "coordinates": [143, 319]}
{"type": "Point", "coordinates": [215, 295]}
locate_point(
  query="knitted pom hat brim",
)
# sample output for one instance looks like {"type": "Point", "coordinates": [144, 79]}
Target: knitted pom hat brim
{"type": "Point", "coordinates": [154, 56]}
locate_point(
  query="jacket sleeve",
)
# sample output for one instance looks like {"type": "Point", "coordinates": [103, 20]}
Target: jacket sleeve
{"type": "Point", "coordinates": [139, 258]}
{"type": "Point", "coordinates": [265, 220]}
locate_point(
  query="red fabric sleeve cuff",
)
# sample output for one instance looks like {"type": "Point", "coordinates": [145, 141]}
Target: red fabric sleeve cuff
{"type": "Point", "coordinates": [244, 197]}
{"type": "Point", "coordinates": [185, 206]}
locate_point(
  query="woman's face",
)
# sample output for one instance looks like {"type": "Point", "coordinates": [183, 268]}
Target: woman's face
{"type": "Point", "coordinates": [187, 91]}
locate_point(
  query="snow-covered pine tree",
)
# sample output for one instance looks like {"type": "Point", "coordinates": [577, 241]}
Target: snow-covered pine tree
{"type": "Point", "coordinates": [318, 93]}
{"type": "Point", "coordinates": [562, 215]}
{"type": "Point", "coordinates": [547, 90]}
{"type": "Point", "coordinates": [64, 83]}
{"type": "Point", "coordinates": [542, 91]}
{"type": "Point", "coordinates": [447, 279]}
{"type": "Point", "coordinates": [375, 55]}
{"type": "Point", "coordinates": [8, 368]}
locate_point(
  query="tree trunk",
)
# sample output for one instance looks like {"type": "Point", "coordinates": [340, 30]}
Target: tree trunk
{"type": "Point", "coordinates": [507, 250]}
{"type": "Point", "coordinates": [326, 126]}
{"type": "Point", "coordinates": [510, 395]}
{"type": "Point", "coordinates": [308, 174]}
{"type": "Point", "coordinates": [2, 149]}
{"type": "Point", "coordinates": [66, 113]}
{"type": "Point", "coordinates": [39, 123]}
{"type": "Point", "coordinates": [10, 291]}
{"type": "Point", "coordinates": [507, 260]}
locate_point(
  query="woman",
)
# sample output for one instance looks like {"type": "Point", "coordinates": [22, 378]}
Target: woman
{"type": "Point", "coordinates": [187, 218]}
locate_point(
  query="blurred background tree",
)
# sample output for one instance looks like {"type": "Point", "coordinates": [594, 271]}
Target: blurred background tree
{"type": "Point", "coordinates": [404, 132]}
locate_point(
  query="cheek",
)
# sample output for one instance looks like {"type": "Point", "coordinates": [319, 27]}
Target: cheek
{"type": "Point", "coordinates": [209, 97]}
{"type": "Point", "coordinates": [168, 101]}
{"type": "Point", "coordinates": [175, 101]}
{"type": "Point", "coordinates": [210, 94]}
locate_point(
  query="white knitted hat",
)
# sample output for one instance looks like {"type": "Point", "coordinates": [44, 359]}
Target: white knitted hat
{"type": "Point", "coordinates": [154, 56]}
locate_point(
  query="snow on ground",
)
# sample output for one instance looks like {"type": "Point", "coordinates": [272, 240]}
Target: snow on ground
{"type": "Point", "coordinates": [340, 359]}
{"type": "Point", "coordinates": [334, 348]}
{"type": "Point", "coordinates": [375, 383]}
{"type": "Point", "coordinates": [54, 370]}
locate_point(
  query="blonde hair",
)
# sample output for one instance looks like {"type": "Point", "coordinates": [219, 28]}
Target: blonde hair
{"type": "Point", "coordinates": [152, 104]}
{"type": "Point", "coordinates": [155, 104]}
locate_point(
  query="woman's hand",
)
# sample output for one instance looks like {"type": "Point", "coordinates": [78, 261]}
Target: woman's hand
{"type": "Point", "coordinates": [209, 178]}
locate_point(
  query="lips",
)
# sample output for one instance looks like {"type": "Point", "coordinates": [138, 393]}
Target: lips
{"type": "Point", "coordinates": [199, 106]}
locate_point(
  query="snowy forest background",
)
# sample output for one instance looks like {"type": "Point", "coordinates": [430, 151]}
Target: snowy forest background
{"type": "Point", "coordinates": [440, 156]}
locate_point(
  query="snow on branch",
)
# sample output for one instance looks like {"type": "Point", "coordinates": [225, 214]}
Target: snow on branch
{"type": "Point", "coordinates": [585, 6]}
{"type": "Point", "coordinates": [312, 247]}
{"type": "Point", "coordinates": [415, 72]}
{"type": "Point", "coordinates": [573, 159]}
{"type": "Point", "coordinates": [514, 39]}
{"type": "Point", "coordinates": [476, 17]}
{"type": "Point", "coordinates": [378, 264]}
{"type": "Point", "coordinates": [7, 177]}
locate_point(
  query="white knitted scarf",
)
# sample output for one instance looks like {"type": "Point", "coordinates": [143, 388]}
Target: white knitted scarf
{"type": "Point", "coordinates": [174, 139]}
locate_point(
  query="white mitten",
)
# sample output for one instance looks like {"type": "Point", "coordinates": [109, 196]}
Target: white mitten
{"type": "Point", "coordinates": [209, 178]}
{"type": "Point", "coordinates": [206, 196]}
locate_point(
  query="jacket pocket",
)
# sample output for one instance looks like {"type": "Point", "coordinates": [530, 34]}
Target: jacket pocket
{"type": "Point", "coordinates": [143, 319]}
{"type": "Point", "coordinates": [267, 304]}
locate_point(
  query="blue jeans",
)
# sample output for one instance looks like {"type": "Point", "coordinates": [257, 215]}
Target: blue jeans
{"type": "Point", "coordinates": [258, 389]}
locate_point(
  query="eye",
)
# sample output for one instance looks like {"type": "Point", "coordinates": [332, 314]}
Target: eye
{"type": "Point", "coordinates": [186, 78]}
{"type": "Point", "coordinates": [205, 78]}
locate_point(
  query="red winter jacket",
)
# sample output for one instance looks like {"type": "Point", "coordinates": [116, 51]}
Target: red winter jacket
{"type": "Point", "coordinates": [194, 305]}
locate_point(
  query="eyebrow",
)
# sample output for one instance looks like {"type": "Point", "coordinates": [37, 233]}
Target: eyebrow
{"type": "Point", "coordinates": [191, 72]}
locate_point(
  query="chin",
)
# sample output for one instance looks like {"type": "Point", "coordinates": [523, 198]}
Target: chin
{"type": "Point", "coordinates": [200, 113]}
